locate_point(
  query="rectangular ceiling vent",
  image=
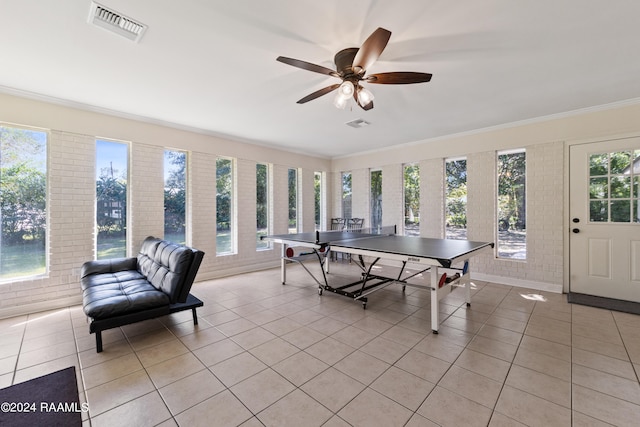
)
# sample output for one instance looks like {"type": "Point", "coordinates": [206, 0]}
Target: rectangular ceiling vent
{"type": "Point", "coordinates": [116, 22]}
{"type": "Point", "coordinates": [358, 123]}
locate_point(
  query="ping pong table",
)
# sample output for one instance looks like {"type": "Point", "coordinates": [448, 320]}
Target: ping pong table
{"type": "Point", "coordinates": [436, 256]}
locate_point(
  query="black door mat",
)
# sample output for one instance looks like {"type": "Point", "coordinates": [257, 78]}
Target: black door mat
{"type": "Point", "coordinates": [606, 303]}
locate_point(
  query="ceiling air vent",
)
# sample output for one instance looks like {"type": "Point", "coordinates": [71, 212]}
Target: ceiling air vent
{"type": "Point", "coordinates": [358, 123]}
{"type": "Point", "coordinates": [115, 22]}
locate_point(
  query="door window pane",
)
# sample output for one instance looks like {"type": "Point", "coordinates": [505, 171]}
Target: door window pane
{"type": "Point", "coordinates": [111, 198]}
{"type": "Point", "coordinates": [613, 186]}
{"type": "Point", "coordinates": [175, 196]}
{"type": "Point", "coordinates": [456, 199]}
{"type": "Point", "coordinates": [23, 195]}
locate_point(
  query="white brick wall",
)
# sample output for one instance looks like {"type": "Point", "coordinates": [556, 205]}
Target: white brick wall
{"type": "Point", "coordinates": [393, 196]}
{"type": "Point", "coordinates": [145, 217]}
{"type": "Point", "coordinates": [306, 201]}
{"type": "Point", "coordinates": [360, 190]}
{"type": "Point", "coordinates": [432, 198]}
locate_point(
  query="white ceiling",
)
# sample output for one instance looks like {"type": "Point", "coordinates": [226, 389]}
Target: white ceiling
{"type": "Point", "coordinates": [210, 65]}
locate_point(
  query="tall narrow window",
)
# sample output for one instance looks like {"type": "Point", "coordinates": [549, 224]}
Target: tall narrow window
{"type": "Point", "coordinates": [111, 197]}
{"type": "Point", "coordinates": [456, 199]}
{"type": "Point", "coordinates": [512, 213]}
{"type": "Point", "coordinates": [224, 206]}
{"type": "Point", "coordinates": [293, 200]}
{"type": "Point", "coordinates": [346, 195]}
{"type": "Point", "coordinates": [262, 205]}
{"type": "Point", "coordinates": [412, 200]}
{"type": "Point", "coordinates": [175, 192]}
{"type": "Point", "coordinates": [317, 193]}
{"type": "Point", "coordinates": [23, 195]}
{"type": "Point", "coordinates": [376, 199]}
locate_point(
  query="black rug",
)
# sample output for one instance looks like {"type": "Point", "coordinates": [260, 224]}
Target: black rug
{"type": "Point", "coordinates": [606, 303]}
{"type": "Point", "coordinates": [50, 400]}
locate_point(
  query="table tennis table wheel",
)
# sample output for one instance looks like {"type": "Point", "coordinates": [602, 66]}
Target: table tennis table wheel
{"type": "Point", "coordinates": [434, 332]}
{"type": "Point", "coordinates": [320, 291]}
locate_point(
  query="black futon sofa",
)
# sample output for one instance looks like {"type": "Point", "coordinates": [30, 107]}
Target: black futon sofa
{"type": "Point", "coordinates": [157, 282]}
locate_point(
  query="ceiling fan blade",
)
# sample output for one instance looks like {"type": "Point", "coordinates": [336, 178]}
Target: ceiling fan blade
{"type": "Point", "coordinates": [371, 50]}
{"type": "Point", "coordinates": [399, 78]}
{"type": "Point", "coordinates": [307, 66]}
{"type": "Point", "coordinates": [318, 93]}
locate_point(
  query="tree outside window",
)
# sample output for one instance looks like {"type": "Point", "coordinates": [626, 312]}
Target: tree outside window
{"type": "Point", "coordinates": [262, 205]}
{"type": "Point", "coordinates": [175, 196]}
{"type": "Point", "coordinates": [111, 199]}
{"type": "Point", "coordinates": [456, 199]}
{"type": "Point", "coordinates": [23, 193]}
{"type": "Point", "coordinates": [412, 200]}
{"type": "Point", "coordinates": [224, 206]}
{"type": "Point", "coordinates": [512, 213]}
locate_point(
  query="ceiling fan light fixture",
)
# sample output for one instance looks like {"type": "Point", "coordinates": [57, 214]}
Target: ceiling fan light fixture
{"type": "Point", "coordinates": [364, 96]}
{"type": "Point", "coordinates": [340, 101]}
{"type": "Point", "coordinates": [346, 89]}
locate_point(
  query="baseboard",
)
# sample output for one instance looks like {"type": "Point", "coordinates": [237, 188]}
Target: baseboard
{"type": "Point", "coordinates": [37, 307]}
{"type": "Point", "coordinates": [520, 283]}
{"type": "Point", "coordinates": [232, 271]}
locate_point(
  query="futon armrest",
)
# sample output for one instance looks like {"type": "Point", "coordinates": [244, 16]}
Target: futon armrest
{"type": "Point", "coordinates": [108, 266]}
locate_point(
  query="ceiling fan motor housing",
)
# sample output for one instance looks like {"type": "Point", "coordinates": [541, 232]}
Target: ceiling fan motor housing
{"type": "Point", "coordinates": [344, 62]}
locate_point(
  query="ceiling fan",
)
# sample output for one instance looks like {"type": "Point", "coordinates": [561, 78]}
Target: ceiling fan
{"type": "Point", "coordinates": [351, 66]}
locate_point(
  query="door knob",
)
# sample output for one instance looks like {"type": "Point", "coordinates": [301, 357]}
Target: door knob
{"type": "Point", "coordinates": [576, 230]}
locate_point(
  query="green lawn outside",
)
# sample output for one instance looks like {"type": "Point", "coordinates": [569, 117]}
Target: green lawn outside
{"type": "Point", "coordinates": [22, 259]}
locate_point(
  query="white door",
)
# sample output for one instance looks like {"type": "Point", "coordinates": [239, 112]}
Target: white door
{"type": "Point", "coordinates": [604, 228]}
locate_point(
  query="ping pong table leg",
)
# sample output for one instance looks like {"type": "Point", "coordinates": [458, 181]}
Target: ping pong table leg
{"type": "Point", "coordinates": [467, 282]}
{"type": "Point", "coordinates": [434, 300]}
{"type": "Point", "coordinates": [283, 263]}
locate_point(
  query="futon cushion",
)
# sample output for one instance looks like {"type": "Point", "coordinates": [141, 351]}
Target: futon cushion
{"type": "Point", "coordinates": [112, 294]}
{"type": "Point", "coordinates": [165, 265]}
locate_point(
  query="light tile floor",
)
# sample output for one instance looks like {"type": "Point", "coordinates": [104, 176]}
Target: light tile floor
{"type": "Point", "coordinates": [265, 354]}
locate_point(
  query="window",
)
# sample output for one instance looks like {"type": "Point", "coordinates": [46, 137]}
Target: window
{"type": "Point", "coordinates": [111, 198]}
{"type": "Point", "coordinates": [293, 200]}
{"type": "Point", "coordinates": [512, 214]}
{"type": "Point", "coordinates": [614, 186]}
{"type": "Point", "coordinates": [262, 206]}
{"type": "Point", "coordinates": [412, 200]}
{"type": "Point", "coordinates": [175, 192]}
{"type": "Point", "coordinates": [346, 195]}
{"type": "Point", "coordinates": [225, 243]}
{"type": "Point", "coordinates": [23, 195]}
{"type": "Point", "coordinates": [376, 199]}
{"type": "Point", "coordinates": [317, 191]}
{"type": "Point", "coordinates": [456, 199]}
